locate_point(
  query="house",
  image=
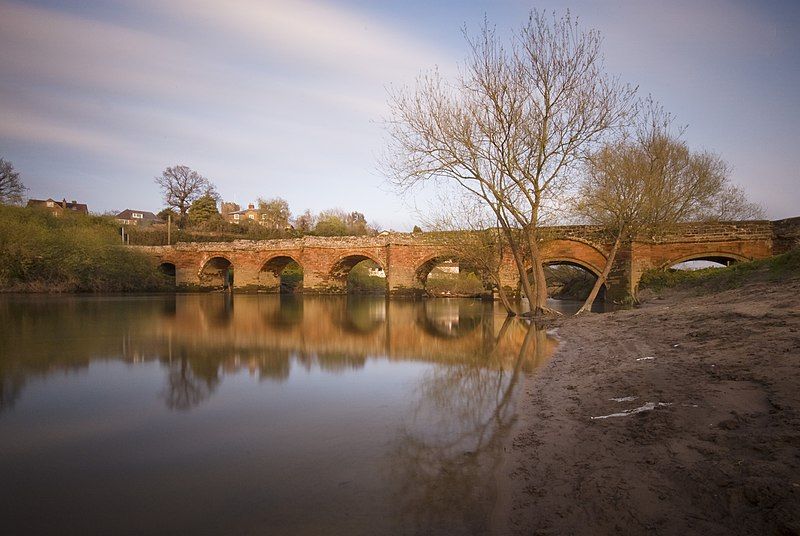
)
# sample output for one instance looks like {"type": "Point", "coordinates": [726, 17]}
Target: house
{"type": "Point", "coordinates": [59, 207]}
{"type": "Point", "coordinates": [136, 217]}
{"type": "Point", "coordinates": [250, 213]}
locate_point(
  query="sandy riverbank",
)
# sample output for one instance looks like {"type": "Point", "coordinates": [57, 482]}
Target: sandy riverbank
{"type": "Point", "coordinates": [718, 454]}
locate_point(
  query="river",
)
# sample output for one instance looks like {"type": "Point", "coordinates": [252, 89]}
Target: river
{"type": "Point", "coordinates": [256, 414]}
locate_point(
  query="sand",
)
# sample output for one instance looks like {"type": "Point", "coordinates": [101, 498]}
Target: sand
{"type": "Point", "coordinates": [679, 417]}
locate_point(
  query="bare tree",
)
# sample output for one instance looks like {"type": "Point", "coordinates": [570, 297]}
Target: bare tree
{"type": "Point", "coordinates": [181, 186]}
{"type": "Point", "coordinates": [305, 222]}
{"type": "Point", "coordinates": [228, 207]}
{"type": "Point", "coordinates": [11, 187]}
{"type": "Point", "coordinates": [511, 129]}
{"type": "Point", "coordinates": [649, 181]}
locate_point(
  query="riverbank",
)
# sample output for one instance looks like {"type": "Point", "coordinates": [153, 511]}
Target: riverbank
{"type": "Point", "coordinates": [679, 417]}
{"type": "Point", "coordinates": [43, 253]}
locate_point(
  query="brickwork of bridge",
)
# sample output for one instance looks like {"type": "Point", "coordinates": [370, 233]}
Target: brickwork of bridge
{"type": "Point", "coordinates": [408, 258]}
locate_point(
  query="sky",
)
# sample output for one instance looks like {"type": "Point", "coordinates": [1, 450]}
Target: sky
{"type": "Point", "coordinates": [273, 98]}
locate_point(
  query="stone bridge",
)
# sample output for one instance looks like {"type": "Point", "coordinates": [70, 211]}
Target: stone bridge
{"type": "Point", "coordinates": [408, 258]}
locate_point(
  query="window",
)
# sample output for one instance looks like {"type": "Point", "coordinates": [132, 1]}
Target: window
{"type": "Point", "coordinates": [137, 215]}
{"type": "Point", "coordinates": [251, 216]}
{"type": "Point", "coordinates": [50, 204]}
{"type": "Point", "coordinates": [236, 217]}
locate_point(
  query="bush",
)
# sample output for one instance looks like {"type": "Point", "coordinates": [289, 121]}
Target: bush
{"type": "Point", "coordinates": [69, 253]}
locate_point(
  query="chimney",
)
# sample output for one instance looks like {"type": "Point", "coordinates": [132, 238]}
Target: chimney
{"type": "Point", "coordinates": [74, 202]}
{"type": "Point", "coordinates": [251, 206]}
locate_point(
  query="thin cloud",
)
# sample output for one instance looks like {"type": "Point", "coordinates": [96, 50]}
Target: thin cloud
{"type": "Point", "coordinates": [312, 33]}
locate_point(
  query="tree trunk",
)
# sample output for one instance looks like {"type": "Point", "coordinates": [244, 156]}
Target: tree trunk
{"type": "Point", "coordinates": [539, 303]}
{"type": "Point", "coordinates": [587, 305]}
{"type": "Point", "coordinates": [526, 285]}
{"type": "Point", "coordinates": [505, 301]}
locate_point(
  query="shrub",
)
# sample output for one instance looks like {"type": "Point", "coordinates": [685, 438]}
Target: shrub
{"type": "Point", "coordinates": [69, 253]}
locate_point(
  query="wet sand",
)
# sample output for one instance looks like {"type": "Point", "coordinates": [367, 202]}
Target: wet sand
{"type": "Point", "coordinates": [719, 453]}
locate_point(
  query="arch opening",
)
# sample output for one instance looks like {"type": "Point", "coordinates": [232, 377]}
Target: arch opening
{"type": "Point", "coordinates": [282, 274]}
{"type": "Point", "coordinates": [363, 314]}
{"type": "Point", "coordinates": [360, 274]}
{"type": "Point", "coordinates": [447, 276]}
{"type": "Point", "coordinates": [217, 272]}
{"type": "Point", "coordinates": [702, 262]}
{"type": "Point", "coordinates": [168, 272]}
{"type": "Point", "coordinates": [569, 283]}
{"type": "Point", "coordinates": [567, 280]}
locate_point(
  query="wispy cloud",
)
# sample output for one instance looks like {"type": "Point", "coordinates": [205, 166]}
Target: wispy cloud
{"type": "Point", "coordinates": [312, 34]}
{"type": "Point", "coordinates": [252, 92]}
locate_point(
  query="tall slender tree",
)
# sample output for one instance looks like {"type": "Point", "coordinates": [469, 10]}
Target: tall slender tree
{"type": "Point", "coordinates": [511, 129]}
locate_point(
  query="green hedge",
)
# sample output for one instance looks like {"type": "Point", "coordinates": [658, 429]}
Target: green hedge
{"type": "Point", "coordinates": [40, 252]}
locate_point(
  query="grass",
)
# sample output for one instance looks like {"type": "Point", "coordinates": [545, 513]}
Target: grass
{"type": "Point", "coordinates": [775, 268]}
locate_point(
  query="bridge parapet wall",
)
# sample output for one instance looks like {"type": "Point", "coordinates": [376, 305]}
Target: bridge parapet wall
{"type": "Point", "coordinates": [787, 234]}
{"type": "Point", "coordinates": [403, 256]}
{"type": "Point", "coordinates": [714, 232]}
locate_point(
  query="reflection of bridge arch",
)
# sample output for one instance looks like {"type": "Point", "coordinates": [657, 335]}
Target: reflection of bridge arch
{"type": "Point", "coordinates": [216, 271]}
{"type": "Point", "coordinates": [720, 257]}
{"type": "Point", "coordinates": [450, 318]}
{"type": "Point", "coordinates": [362, 315]}
{"type": "Point", "coordinates": [287, 313]}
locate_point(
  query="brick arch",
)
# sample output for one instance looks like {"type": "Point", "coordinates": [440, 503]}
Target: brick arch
{"type": "Point", "coordinates": [214, 279]}
{"type": "Point", "coordinates": [424, 267]}
{"type": "Point", "coordinates": [208, 258]}
{"type": "Point", "coordinates": [341, 267]}
{"type": "Point", "coordinates": [575, 252]}
{"type": "Point", "coordinates": [572, 262]}
{"type": "Point", "coordinates": [275, 263]}
{"type": "Point", "coordinates": [164, 267]}
{"type": "Point", "coordinates": [713, 256]}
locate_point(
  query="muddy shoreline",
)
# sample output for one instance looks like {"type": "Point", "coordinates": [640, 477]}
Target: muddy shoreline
{"type": "Point", "coordinates": [706, 436]}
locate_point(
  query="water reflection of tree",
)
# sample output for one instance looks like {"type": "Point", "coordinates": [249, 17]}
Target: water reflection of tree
{"type": "Point", "coordinates": [43, 334]}
{"type": "Point", "coordinates": [190, 382]}
{"type": "Point", "coordinates": [445, 458]}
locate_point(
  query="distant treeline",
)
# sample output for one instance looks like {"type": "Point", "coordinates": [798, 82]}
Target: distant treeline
{"type": "Point", "coordinates": [40, 252]}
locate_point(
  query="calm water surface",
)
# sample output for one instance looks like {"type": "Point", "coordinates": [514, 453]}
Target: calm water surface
{"type": "Point", "coordinates": [212, 414]}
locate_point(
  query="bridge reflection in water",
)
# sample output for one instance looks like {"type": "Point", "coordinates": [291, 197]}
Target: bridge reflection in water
{"type": "Point", "coordinates": [291, 415]}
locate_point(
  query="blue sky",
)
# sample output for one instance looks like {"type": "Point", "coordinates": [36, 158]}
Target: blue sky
{"type": "Point", "coordinates": [286, 98]}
